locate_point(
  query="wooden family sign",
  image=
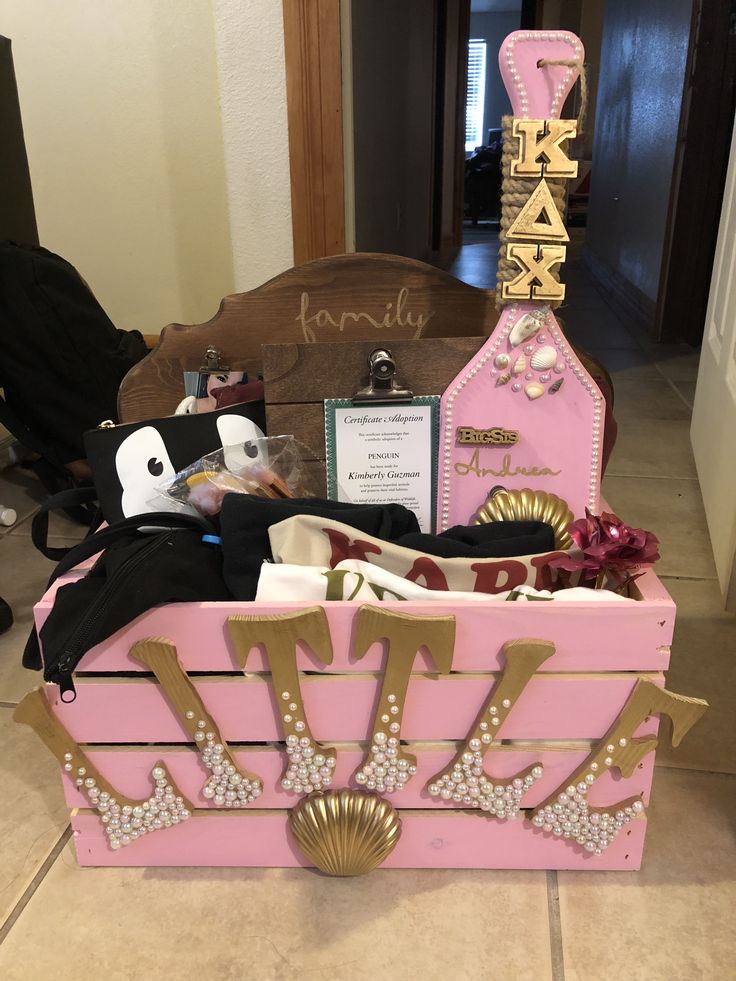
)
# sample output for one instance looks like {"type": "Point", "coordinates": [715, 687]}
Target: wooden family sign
{"type": "Point", "coordinates": [359, 297]}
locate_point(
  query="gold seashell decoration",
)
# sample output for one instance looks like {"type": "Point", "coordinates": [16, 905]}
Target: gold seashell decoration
{"type": "Point", "coordinates": [528, 505]}
{"type": "Point", "coordinates": [519, 365]}
{"type": "Point", "coordinates": [534, 390]}
{"type": "Point", "coordinates": [502, 360]}
{"type": "Point", "coordinates": [503, 379]}
{"type": "Point", "coordinates": [345, 832]}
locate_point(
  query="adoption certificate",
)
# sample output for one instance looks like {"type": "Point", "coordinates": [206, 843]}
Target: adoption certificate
{"type": "Point", "coordinates": [383, 454]}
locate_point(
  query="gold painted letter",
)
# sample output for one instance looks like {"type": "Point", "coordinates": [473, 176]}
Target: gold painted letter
{"type": "Point", "coordinates": [552, 132]}
{"type": "Point", "coordinates": [566, 814]}
{"type": "Point", "coordinates": [310, 766]}
{"type": "Point", "coordinates": [124, 818]}
{"type": "Point", "coordinates": [535, 281]}
{"type": "Point", "coordinates": [385, 767]}
{"type": "Point", "coordinates": [228, 786]}
{"type": "Point", "coordinates": [463, 781]}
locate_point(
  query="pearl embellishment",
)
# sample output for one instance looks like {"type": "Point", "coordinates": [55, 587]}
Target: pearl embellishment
{"type": "Point", "coordinates": [569, 817]}
{"type": "Point", "coordinates": [126, 823]}
{"type": "Point", "coordinates": [467, 786]}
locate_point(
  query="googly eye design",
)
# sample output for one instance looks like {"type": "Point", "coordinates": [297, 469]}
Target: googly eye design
{"type": "Point", "coordinates": [142, 464]}
{"type": "Point", "coordinates": [237, 435]}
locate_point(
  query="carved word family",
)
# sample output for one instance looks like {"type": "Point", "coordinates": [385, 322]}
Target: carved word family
{"type": "Point", "coordinates": [386, 766]}
{"type": "Point", "coordinates": [533, 239]}
{"type": "Point", "coordinates": [396, 315]}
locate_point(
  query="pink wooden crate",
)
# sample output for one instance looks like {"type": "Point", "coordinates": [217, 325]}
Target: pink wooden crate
{"type": "Point", "coordinates": [429, 839]}
{"type": "Point", "coordinates": [130, 771]}
{"type": "Point", "coordinates": [340, 708]}
{"type": "Point", "coordinates": [587, 636]}
{"type": "Point", "coordinates": [601, 651]}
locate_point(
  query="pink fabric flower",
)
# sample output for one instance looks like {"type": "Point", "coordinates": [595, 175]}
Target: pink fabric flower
{"type": "Point", "coordinates": [606, 545]}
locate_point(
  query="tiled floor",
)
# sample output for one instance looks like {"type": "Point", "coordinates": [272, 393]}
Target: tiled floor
{"type": "Point", "coordinates": [674, 920]}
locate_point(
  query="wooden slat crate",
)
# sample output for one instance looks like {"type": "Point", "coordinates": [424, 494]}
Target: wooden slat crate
{"type": "Point", "coordinates": [124, 722]}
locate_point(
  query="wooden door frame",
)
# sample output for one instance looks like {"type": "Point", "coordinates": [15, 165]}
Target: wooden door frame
{"type": "Point", "coordinates": [452, 31]}
{"type": "Point", "coordinates": [312, 50]}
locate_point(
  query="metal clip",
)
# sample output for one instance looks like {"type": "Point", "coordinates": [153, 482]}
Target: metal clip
{"type": "Point", "coordinates": [212, 361]}
{"type": "Point", "coordinates": [382, 387]}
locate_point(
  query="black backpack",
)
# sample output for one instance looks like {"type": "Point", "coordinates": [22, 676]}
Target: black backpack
{"type": "Point", "coordinates": [61, 358]}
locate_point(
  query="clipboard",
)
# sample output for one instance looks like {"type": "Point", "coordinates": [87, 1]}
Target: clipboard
{"type": "Point", "coordinates": [381, 444]}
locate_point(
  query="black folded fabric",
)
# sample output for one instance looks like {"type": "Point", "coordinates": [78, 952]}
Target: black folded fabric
{"type": "Point", "coordinates": [130, 577]}
{"type": "Point", "coordinates": [245, 520]}
{"type": "Point", "coordinates": [496, 540]}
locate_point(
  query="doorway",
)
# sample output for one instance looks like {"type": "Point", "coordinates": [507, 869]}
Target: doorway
{"type": "Point", "coordinates": [486, 103]}
{"type": "Point", "coordinates": [426, 101]}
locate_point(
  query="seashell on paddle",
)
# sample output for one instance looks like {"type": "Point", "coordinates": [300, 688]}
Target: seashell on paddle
{"type": "Point", "coordinates": [534, 390]}
{"type": "Point", "coordinates": [519, 365]}
{"type": "Point", "coordinates": [345, 832]}
{"type": "Point", "coordinates": [528, 505]}
{"type": "Point", "coordinates": [544, 358]}
{"type": "Point", "coordinates": [502, 360]}
{"type": "Point", "coordinates": [525, 327]}
{"type": "Point", "coordinates": [503, 379]}
{"type": "Point", "coordinates": [555, 386]}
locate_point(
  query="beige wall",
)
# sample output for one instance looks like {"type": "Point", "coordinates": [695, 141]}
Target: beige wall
{"type": "Point", "coordinates": [252, 81]}
{"type": "Point", "coordinates": [121, 111]}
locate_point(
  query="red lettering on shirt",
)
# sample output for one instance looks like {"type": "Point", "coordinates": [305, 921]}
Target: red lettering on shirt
{"type": "Point", "coordinates": [343, 548]}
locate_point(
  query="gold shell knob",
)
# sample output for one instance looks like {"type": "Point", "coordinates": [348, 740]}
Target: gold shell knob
{"type": "Point", "coordinates": [528, 505]}
{"type": "Point", "coordinates": [345, 832]}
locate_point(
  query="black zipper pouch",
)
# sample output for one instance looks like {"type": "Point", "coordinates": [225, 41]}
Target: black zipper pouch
{"type": "Point", "coordinates": [129, 462]}
{"type": "Point", "coordinates": [135, 572]}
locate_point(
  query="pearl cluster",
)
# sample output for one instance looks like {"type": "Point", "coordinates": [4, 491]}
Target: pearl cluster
{"type": "Point", "coordinates": [468, 785]}
{"type": "Point", "coordinates": [386, 769]}
{"type": "Point", "coordinates": [570, 817]}
{"type": "Point", "coordinates": [515, 75]}
{"type": "Point", "coordinates": [226, 787]}
{"type": "Point", "coordinates": [509, 318]}
{"type": "Point", "coordinates": [124, 823]}
{"type": "Point", "coordinates": [308, 769]}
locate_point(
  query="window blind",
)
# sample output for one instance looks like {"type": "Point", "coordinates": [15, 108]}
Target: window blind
{"type": "Point", "coordinates": [476, 96]}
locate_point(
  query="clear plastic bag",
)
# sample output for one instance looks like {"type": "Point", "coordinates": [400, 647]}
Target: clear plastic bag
{"type": "Point", "coordinates": [269, 467]}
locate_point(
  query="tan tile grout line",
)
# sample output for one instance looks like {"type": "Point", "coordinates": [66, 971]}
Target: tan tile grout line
{"type": "Point", "coordinates": [723, 774]}
{"type": "Point", "coordinates": [8, 705]}
{"type": "Point", "coordinates": [676, 390]}
{"type": "Point", "coordinates": [35, 883]}
{"type": "Point", "coordinates": [672, 575]}
{"type": "Point", "coordinates": [555, 927]}
{"type": "Point", "coordinates": [649, 476]}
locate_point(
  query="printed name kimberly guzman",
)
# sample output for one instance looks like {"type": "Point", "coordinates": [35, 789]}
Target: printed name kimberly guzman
{"type": "Point", "coordinates": [380, 475]}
